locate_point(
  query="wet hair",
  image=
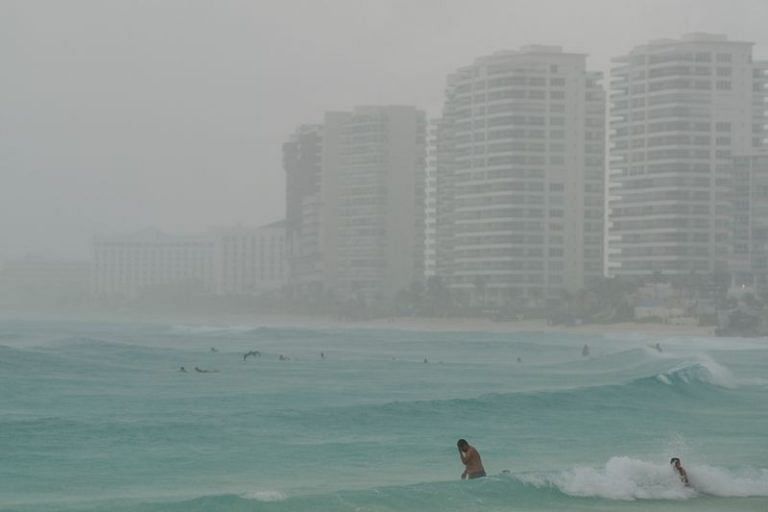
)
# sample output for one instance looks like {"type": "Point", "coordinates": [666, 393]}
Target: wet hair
{"type": "Point", "coordinates": [674, 460]}
{"type": "Point", "coordinates": [462, 443]}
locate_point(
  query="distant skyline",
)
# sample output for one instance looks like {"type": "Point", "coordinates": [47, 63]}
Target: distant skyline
{"type": "Point", "coordinates": [122, 115]}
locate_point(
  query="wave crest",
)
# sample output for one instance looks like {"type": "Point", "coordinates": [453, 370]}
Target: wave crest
{"type": "Point", "coordinates": [625, 478]}
{"type": "Point", "coordinates": [702, 369]}
{"type": "Point", "coordinates": [265, 495]}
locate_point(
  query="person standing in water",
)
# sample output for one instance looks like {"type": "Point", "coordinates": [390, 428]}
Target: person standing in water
{"type": "Point", "coordinates": [470, 457]}
{"type": "Point", "coordinates": [680, 470]}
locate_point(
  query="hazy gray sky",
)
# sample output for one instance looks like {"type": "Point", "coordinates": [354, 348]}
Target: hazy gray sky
{"type": "Point", "coordinates": [117, 115]}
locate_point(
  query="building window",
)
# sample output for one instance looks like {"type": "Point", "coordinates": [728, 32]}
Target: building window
{"type": "Point", "coordinates": [723, 85]}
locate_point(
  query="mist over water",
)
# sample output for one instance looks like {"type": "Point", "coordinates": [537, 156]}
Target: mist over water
{"type": "Point", "coordinates": [228, 227]}
{"type": "Point", "coordinates": [99, 416]}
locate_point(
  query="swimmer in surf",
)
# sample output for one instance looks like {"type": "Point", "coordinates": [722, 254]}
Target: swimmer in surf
{"type": "Point", "coordinates": [680, 470]}
{"type": "Point", "coordinates": [470, 457]}
{"type": "Point", "coordinates": [254, 353]}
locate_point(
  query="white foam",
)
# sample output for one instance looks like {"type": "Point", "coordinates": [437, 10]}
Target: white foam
{"type": "Point", "coordinates": [265, 495]}
{"type": "Point", "coordinates": [625, 478]}
{"type": "Point", "coordinates": [720, 482]}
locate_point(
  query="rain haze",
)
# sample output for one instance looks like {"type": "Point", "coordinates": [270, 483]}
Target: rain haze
{"type": "Point", "coordinates": [118, 116]}
{"type": "Point", "coordinates": [383, 256]}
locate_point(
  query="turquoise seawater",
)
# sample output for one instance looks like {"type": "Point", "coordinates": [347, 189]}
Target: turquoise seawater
{"type": "Point", "coordinates": [98, 417]}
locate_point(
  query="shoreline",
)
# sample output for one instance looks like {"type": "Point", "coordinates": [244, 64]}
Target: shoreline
{"type": "Point", "coordinates": [435, 324]}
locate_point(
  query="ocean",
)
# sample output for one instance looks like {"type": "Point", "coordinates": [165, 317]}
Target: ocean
{"type": "Point", "coordinates": [97, 416]}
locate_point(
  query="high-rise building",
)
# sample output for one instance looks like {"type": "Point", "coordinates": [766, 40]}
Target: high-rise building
{"type": "Point", "coordinates": [366, 207]}
{"type": "Point", "coordinates": [302, 162]}
{"type": "Point", "coordinates": [520, 178]}
{"type": "Point", "coordinates": [748, 261]}
{"type": "Point", "coordinates": [430, 200]}
{"type": "Point", "coordinates": [680, 111]}
{"type": "Point", "coordinates": [380, 200]}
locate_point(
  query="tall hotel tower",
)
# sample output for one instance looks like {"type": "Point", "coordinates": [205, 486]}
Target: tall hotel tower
{"type": "Point", "coordinates": [520, 176]}
{"type": "Point", "coordinates": [680, 111]}
{"type": "Point", "coordinates": [378, 160]}
{"type": "Point", "coordinates": [355, 203]}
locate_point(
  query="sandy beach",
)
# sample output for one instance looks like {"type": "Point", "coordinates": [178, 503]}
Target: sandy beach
{"type": "Point", "coordinates": [438, 324]}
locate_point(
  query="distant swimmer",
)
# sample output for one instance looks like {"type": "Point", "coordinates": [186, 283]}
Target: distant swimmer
{"type": "Point", "coordinates": [254, 353]}
{"type": "Point", "coordinates": [425, 360]}
{"type": "Point", "coordinates": [283, 358]}
{"type": "Point", "coordinates": [585, 351]}
{"type": "Point", "coordinates": [200, 370]}
{"type": "Point", "coordinates": [322, 355]}
{"type": "Point", "coordinates": [519, 359]}
{"type": "Point", "coordinates": [657, 346]}
{"type": "Point", "coordinates": [680, 470]}
{"type": "Point", "coordinates": [182, 369]}
{"type": "Point", "coordinates": [470, 457]}
{"type": "Point", "coordinates": [213, 349]}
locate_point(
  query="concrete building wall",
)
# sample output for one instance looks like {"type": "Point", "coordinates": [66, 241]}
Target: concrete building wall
{"type": "Point", "coordinates": [680, 110]}
{"type": "Point", "coordinates": [522, 175]}
{"type": "Point", "coordinates": [430, 200]}
{"type": "Point", "coordinates": [378, 169]}
{"type": "Point", "coordinates": [250, 260]}
{"type": "Point", "coordinates": [748, 259]}
{"type": "Point", "coordinates": [128, 266]}
{"type": "Point", "coordinates": [302, 162]}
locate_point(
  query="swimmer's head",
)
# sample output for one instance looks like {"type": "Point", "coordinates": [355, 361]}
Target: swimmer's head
{"type": "Point", "coordinates": [462, 444]}
{"type": "Point", "coordinates": [674, 461]}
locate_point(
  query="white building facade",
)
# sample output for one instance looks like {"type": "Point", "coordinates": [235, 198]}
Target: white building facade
{"type": "Point", "coordinates": [521, 176]}
{"type": "Point", "coordinates": [250, 260]}
{"type": "Point", "coordinates": [130, 266]}
{"type": "Point", "coordinates": [358, 229]}
{"type": "Point", "coordinates": [236, 260]}
{"type": "Point", "coordinates": [680, 111]}
{"type": "Point", "coordinates": [748, 259]}
{"type": "Point", "coordinates": [379, 209]}
{"type": "Point", "coordinates": [430, 200]}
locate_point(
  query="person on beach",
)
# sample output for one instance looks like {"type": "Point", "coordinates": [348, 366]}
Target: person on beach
{"type": "Point", "coordinates": [470, 457]}
{"type": "Point", "coordinates": [680, 470]}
